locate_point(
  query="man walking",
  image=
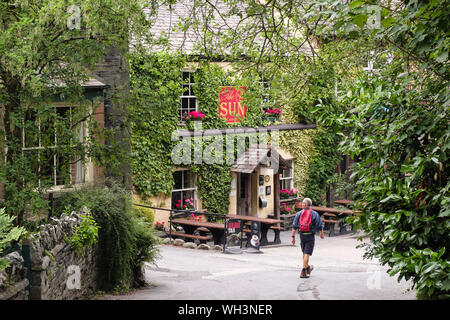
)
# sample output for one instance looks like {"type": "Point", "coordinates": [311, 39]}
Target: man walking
{"type": "Point", "coordinates": [307, 222]}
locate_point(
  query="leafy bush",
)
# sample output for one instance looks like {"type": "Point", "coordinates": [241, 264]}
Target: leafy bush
{"type": "Point", "coordinates": [146, 214]}
{"type": "Point", "coordinates": [125, 241]}
{"type": "Point", "coordinates": [155, 89]}
{"type": "Point", "coordinates": [144, 249]}
{"type": "Point", "coordinates": [322, 168]}
{"type": "Point", "coordinates": [86, 234]}
{"type": "Point", "coordinates": [403, 181]}
{"type": "Point", "coordinates": [8, 233]}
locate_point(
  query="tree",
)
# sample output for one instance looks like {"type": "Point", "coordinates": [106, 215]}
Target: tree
{"type": "Point", "coordinates": [47, 51]}
{"type": "Point", "coordinates": [398, 128]}
{"type": "Point", "coordinates": [390, 106]}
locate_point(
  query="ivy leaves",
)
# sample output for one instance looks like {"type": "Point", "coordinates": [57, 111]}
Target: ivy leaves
{"type": "Point", "coordinates": [155, 91]}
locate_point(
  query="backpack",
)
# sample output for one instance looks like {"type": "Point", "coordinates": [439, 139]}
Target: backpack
{"type": "Point", "coordinates": [305, 220]}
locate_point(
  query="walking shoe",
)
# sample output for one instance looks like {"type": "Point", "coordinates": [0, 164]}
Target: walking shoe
{"type": "Point", "coordinates": [304, 274]}
{"type": "Point", "coordinates": [309, 269]}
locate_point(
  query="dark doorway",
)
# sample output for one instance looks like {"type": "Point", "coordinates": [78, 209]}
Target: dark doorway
{"type": "Point", "coordinates": [244, 197]}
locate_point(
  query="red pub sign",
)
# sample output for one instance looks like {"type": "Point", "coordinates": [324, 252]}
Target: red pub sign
{"type": "Point", "coordinates": [230, 104]}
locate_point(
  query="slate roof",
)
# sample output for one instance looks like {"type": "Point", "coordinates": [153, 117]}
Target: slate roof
{"type": "Point", "coordinates": [259, 155]}
{"type": "Point", "coordinates": [169, 20]}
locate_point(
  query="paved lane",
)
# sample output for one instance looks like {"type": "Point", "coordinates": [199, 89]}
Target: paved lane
{"type": "Point", "coordinates": [339, 273]}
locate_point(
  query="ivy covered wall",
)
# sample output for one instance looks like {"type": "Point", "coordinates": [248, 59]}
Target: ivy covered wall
{"type": "Point", "coordinates": [155, 89]}
{"type": "Point", "coordinates": [156, 85]}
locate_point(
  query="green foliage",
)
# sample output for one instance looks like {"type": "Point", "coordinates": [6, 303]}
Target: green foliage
{"type": "Point", "coordinates": [398, 129]}
{"type": "Point", "coordinates": [86, 234]}
{"type": "Point", "coordinates": [322, 168]}
{"type": "Point", "coordinates": [403, 179]}
{"type": "Point", "coordinates": [45, 57]}
{"type": "Point", "coordinates": [146, 214]}
{"type": "Point", "coordinates": [8, 234]}
{"type": "Point", "coordinates": [394, 122]}
{"type": "Point", "coordinates": [155, 91]}
{"type": "Point", "coordinates": [144, 247]}
{"type": "Point", "coordinates": [209, 78]}
{"type": "Point", "coordinates": [124, 241]}
{"type": "Point", "coordinates": [300, 145]}
{"type": "Point", "coordinates": [214, 186]}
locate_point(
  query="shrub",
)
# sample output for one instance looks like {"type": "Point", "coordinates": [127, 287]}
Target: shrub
{"type": "Point", "coordinates": [146, 214]}
{"type": "Point", "coordinates": [86, 234]}
{"type": "Point", "coordinates": [144, 249]}
{"type": "Point", "coordinates": [125, 241]}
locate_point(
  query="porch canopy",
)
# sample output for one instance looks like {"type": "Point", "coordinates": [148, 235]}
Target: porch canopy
{"type": "Point", "coordinates": [258, 155]}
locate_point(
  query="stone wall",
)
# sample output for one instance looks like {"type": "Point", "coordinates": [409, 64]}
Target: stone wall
{"type": "Point", "coordinates": [56, 271]}
{"type": "Point", "coordinates": [13, 281]}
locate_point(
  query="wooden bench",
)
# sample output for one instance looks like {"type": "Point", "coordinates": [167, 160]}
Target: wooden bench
{"type": "Point", "coordinates": [191, 226]}
{"type": "Point", "coordinates": [329, 223]}
{"type": "Point", "coordinates": [202, 239]}
{"type": "Point", "coordinates": [277, 230]}
{"type": "Point", "coordinates": [266, 223]}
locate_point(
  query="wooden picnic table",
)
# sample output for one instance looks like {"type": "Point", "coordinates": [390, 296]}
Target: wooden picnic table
{"type": "Point", "coordinates": [325, 211]}
{"type": "Point", "coordinates": [217, 229]}
{"type": "Point", "coordinates": [266, 223]}
{"type": "Point", "coordinates": [333, 210]}
{"type": "Point", "coordinates": [343, 202]}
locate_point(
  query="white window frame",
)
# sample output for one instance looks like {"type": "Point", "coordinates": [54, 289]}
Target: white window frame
{"type": "Point", "coordinates": [182, 190]}
{"type": "Point", "coordinates": [289, 178]}
{"type": "Point", "coordinates": [78, 165]}
{"type": "Point", "coordinates": [189, 96]}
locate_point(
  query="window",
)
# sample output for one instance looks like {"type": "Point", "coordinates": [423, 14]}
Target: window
{"type": "Point", "coordinates": [184, 187]}
{"type": "Point", "coordinates": [287, 178]}
{"type": "Point", "coordinates": [188, 99]}
{"type": "Point", "coordinates": [40, 138]}
{"type": "Point", "coordinates": [265, 91]}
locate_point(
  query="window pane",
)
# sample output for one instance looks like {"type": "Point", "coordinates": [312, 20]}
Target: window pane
{"type": "Point", "coordinates": [46, 158]}
{"type": "Point", "coordinates": [31, 129]}
{"type": "Point", "coordinates": [176, 196]}
{"type": "Point", "coordinates": [187, 104]}
{"type": "Point", "coordinates": [184, 103]}
{"type": "Point", "coordinates": [286, 184]}
{"type": "Point", "coordinates": [186, 77]}
{"type": "Point", "coordinates": [186, 90]}
{"type": "Point", "coordinates": [191, 104]}
{"type": "Point", "coordinates": [33, 158]}
{"type": "Point", "coordinates": [62, 123]}
{"type": "Point", "coordinates": [47, 134]}
{"type": "Point", "coordinates": [188, 195]}
{"type": "Point", "coordinates": [177, 176]}
{"type": "Point", "coordinates": [188, 179]}
{"type": "Point", "coordinates": [63, 169]}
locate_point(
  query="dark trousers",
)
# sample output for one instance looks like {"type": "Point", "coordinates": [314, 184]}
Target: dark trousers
{"type": "Point", "coordinates": [307, 243]}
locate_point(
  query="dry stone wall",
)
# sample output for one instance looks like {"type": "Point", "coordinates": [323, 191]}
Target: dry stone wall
{"type": "Point", "coordinates": [13, 281]}
{"type": "Point", "coordinates": [56, 270]}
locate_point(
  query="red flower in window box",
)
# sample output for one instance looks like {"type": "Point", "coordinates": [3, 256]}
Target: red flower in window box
{"type": "Point", "coordinates": [193, 115]}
